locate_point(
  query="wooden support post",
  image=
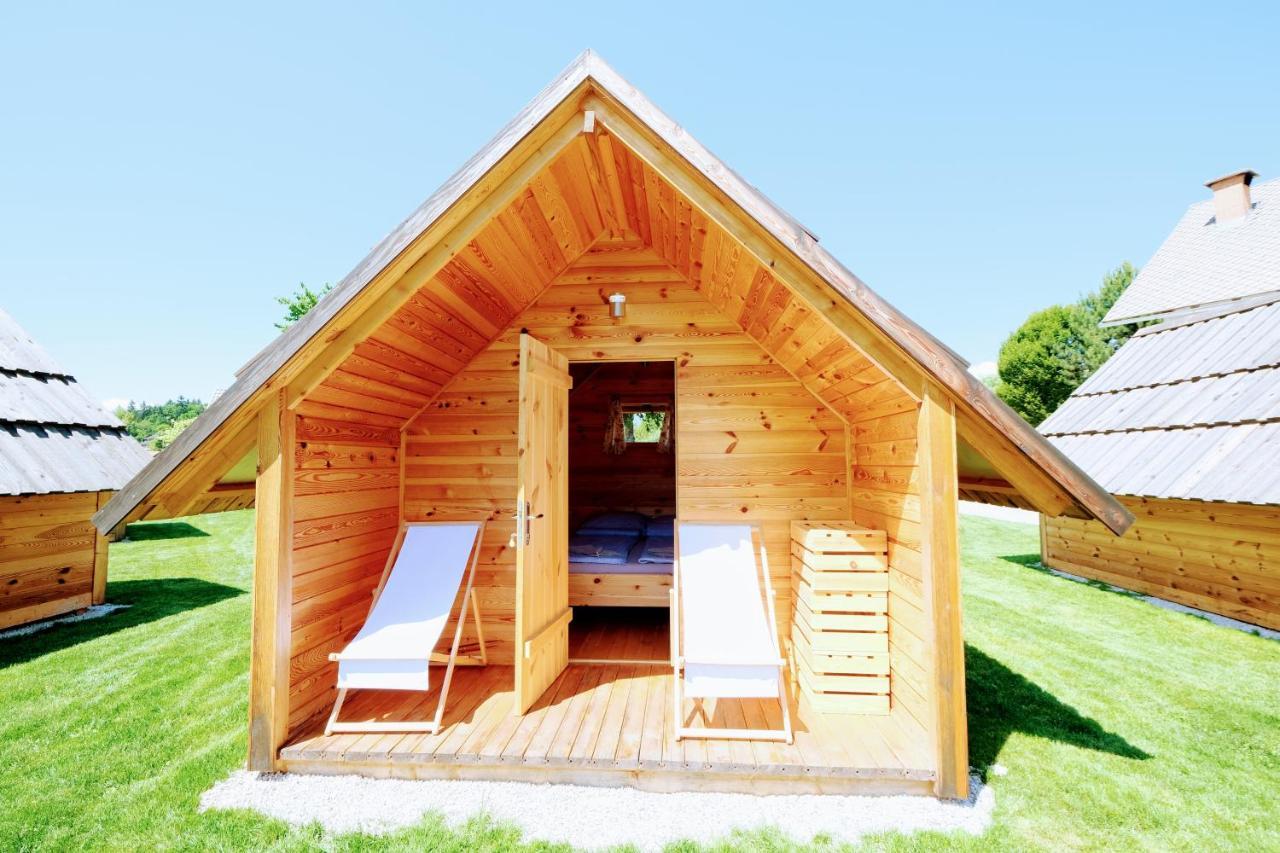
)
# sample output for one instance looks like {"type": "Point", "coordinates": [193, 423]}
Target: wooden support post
{"type": "Point", "coordinates": [269, 661]}
{"type": "Point", "coordinates": [100, 558]}
{"type": "Point", "coordinates": [940, 537]}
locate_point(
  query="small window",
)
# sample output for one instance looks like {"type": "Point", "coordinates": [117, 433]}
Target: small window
{"type": "Point", "coordinates": [642, 425]}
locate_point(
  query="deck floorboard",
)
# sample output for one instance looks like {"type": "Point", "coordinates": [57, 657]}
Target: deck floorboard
{"type": "Point", "coordinates": [612, 724]}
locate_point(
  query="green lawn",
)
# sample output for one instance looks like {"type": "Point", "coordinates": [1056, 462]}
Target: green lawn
{"type": "Point", "coordinates": [1119, 724]}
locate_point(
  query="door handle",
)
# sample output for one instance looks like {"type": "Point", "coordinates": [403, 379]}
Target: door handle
{"type": "Point", "coordinates": [522, 518]}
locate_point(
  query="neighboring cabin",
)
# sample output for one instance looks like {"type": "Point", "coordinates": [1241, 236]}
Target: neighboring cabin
{"type": "Point", "coordinates": [1182, 424]}
{"type": "Point", "coordinates": [61, 457]}
{"type": "Point", "coordinates": [797, 398]}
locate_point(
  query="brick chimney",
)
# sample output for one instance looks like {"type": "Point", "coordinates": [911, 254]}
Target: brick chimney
{"type": "Point", "coordinates": [1231, 195]}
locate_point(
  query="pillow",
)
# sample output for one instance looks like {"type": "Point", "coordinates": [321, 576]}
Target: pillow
{"type": "Point", "coordinates": [658, 551]}
{"type": "Point", "coordinates": [662, 527]}
{"type": "Point", "coordinates": [615, 522]}
{"type": "Point", "coordinates": [605, 548]}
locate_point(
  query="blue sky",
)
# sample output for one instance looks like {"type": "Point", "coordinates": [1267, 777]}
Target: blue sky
{"type": "Point", "coordinates": [165, 174]}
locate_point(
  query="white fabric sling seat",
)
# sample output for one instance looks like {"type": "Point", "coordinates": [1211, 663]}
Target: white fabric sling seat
{"type": "Point", "coordinates": [412, 603]}
{"type": "Point", "coordinates": [724, 632]}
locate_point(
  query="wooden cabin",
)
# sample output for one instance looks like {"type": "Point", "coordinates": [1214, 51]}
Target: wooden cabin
{"type": "Point", "coordinates": [61, 458]}
{"type": "Point", "coordinates": [476, 353]}
{"type": "Point", "coordinates": [1182, 423]}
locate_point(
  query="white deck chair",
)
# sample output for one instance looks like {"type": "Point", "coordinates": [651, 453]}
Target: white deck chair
{"type": "Point", "coordinates": [724, 634]}
{"type": "Point", "coordinates": [413, 601]}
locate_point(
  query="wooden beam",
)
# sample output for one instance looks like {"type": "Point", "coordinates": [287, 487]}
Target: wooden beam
{"type": "Point", "coordinates": [201, 475]}
{"type": "Point", "coordinates": [1028, 479]}
{"type": "Point", "coordinates": [985, 484]}
{"type": "Point", "coordinates": [804, 283]}
{"type": "Point", "coordinates": [269, 659]}
{"type": "Point", "coordinates": [603, 147]}
{"type": "Point", "coordinates": [344, 341]}
{"type": "Point", "coordinates": [100, 557]}
{"type": "Point", "coordinates": [895, 344]}
{"type": "Point", "coordinates": [940, 540]}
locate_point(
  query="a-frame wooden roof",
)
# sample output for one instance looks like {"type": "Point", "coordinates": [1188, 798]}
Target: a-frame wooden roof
{"type": "Point", "coordinates": [588, 157]}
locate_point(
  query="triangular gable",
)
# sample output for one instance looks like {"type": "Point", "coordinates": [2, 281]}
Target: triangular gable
{"type": "Point", "coordinates": [1006, 452]}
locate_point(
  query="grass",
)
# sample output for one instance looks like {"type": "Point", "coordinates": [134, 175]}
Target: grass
{"type": "Point", "coordinates": [1119, 724]}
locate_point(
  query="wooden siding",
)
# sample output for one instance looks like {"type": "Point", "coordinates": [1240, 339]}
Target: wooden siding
{"type": "Point", "coordinates": [885, 495]}
{"type": "Point", "coordinates": [1224, 558]}
{"type": "Point", "coordinates": [751, 442]}
{"type": "Point", "coordinates": [346, 493]}
{"type": "Point", "coordinates": [52, 560]}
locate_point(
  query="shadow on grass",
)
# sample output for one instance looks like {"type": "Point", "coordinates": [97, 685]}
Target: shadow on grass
{"type": "Point", "coordinates": [1033, 562]}
{"type": "Point", "coordinates": [1002, 702]}
{"type": "Point", "coordinates": [1030, 561]}
{"type": "Point", "coordinates": [162, 530]}
{"type": "Point", "coordinates": [148, 601]}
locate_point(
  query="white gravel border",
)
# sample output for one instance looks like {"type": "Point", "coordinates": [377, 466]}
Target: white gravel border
{"type": "Point", "coordinates": [589, 817]}
{"type": "Point", "coordinates": [94, 612]}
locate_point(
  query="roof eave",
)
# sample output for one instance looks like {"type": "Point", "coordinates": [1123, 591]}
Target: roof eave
{"type": "Point", "coordinates": [937, 360]}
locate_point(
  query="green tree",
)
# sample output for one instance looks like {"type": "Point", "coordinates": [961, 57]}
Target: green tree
{"type": "Point", "coordinates": [166, 435]}
{"type": "Point", "coordinates": [297, 304]}
{"type": "Point", "coordinates": [1097, 304]}
{"type": "Point", "coordinates": [1058, 348]}
{"type": "Point", "coordinates": [157, 425]}
{"type": "Point", "coordinates": [1047, 358]}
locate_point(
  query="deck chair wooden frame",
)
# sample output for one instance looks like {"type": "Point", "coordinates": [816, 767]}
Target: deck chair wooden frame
{"type": "Point", "coordinates": [451, 660]}
{"type": "Point", "coordinates": [678, 659]}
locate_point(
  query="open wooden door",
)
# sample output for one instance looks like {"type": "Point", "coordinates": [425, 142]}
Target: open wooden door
{"type": "Point", "coordinates": [542, 522]}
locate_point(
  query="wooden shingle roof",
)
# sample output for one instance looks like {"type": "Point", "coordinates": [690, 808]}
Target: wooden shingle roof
{"type": "Point", "coordinates": [1187, 409]}
{"type": "Point", "coordinates": [53, 436]}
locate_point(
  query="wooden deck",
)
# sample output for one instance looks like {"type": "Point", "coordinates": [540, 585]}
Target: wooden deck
{"type": "Point", "coordinates": [611, 724]}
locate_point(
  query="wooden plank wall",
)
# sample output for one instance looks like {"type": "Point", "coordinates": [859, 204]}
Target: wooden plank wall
{"type": "Point", "coordinates": [1212, 556]}
{"type": "Point", "coordinates": [639, 480]}
{"type": "Point", "coordinates": [345, 514]}
{"type": "Point", "coordinates": [885, 495]}
{"type": "Point", "coordinates": [752, 443]}
{"type": "Point", "coordinates": [755, 445]}
{"type": "Point", "coordinates": [50, 555]}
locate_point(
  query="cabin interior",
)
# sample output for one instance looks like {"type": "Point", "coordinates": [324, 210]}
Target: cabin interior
{"type": "Point", "coordinates": [768, 421]}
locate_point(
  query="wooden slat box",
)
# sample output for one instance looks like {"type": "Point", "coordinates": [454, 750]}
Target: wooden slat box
{"type": "Point", "coordinates": [840, 625]}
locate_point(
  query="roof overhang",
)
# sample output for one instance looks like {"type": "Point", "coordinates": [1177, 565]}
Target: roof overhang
{"type": "Point", "coordinates": [302, 355]}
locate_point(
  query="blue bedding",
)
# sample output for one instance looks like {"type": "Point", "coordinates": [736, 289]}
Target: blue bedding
{"type": "Point", "coordinates": [661, 527]}
{"type": "Point", "coordinates": [610, 549]}
{"type": "Point", "coordinates": [657, 550]}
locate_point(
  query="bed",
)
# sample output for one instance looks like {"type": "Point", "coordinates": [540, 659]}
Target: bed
{"type": "Point", "coordinates": [621, 560]}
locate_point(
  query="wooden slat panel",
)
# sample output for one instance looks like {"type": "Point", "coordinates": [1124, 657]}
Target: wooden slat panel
{"type": "Point", "coordinates": [1215, 557]}
{"type": "Point", "coordinates": [48, 551]}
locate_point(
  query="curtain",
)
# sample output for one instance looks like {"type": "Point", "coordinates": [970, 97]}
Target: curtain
{"type": "Point", "coordinates": [664, 437]}
{"type": "Point", "coordinates": [615, 431]}
{"type": "Point", "coordinates": [615, 436]}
